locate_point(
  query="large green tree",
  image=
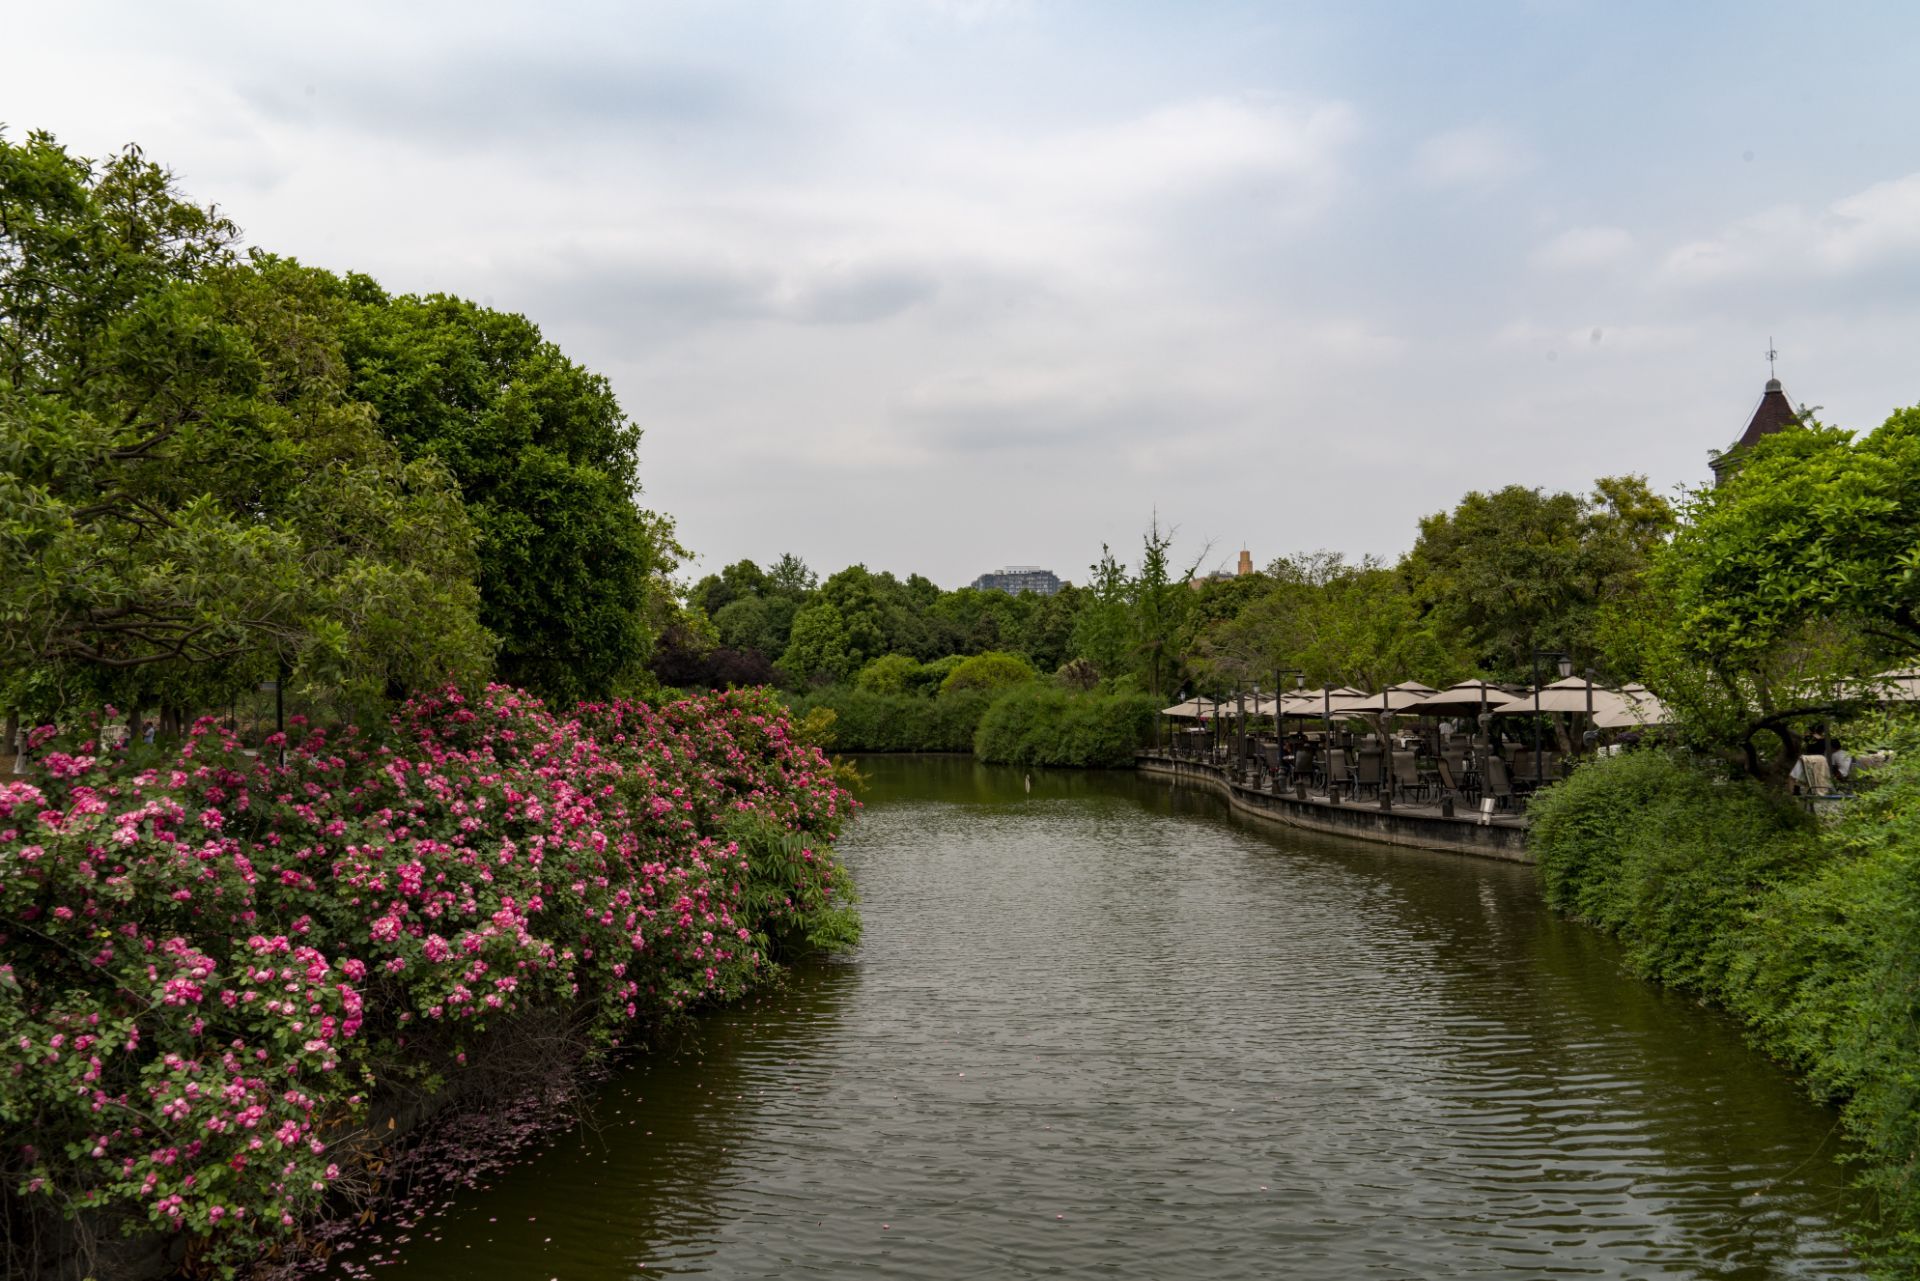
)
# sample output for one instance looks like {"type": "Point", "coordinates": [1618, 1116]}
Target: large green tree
{"type": "Point", "coordinates": [1337, 623]}
{"type": "Point", "coordinates": [1519, 569]}
{"type": "Point", "coordinates": [840, 629]}
{"type": "Point", "coordinates": [1786, 588]}
{"type": "Point", "coordinates": [547, 465]}
{"type": "Point", "coordinates": [191, 498]}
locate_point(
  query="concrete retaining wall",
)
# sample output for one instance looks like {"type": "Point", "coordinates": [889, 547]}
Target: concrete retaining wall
{"type": "Point", "coordinates": [1426, 829]}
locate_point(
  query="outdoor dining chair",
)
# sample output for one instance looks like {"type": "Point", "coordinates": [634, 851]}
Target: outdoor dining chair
{"type": "Point", "coordinates": [1337, 771]}
{"type": "Point", "coordinates": [1499, 784]}
{"type": "Point", "coordinates": [1366, 775]}
{"type": "Point", "coordinates": [1406, 775]}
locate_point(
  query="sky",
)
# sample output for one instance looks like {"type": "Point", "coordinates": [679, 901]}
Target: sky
{"type": "Point", "coordinates": [942, 285]}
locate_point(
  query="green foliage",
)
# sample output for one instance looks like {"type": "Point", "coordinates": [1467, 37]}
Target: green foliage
{"type": "Point", "coordinates": [818, 651]}
{"type": "Point", "coordinates": [742, 580]}
{"type": "Point", "coordinates": [193, 499]}
{"type": "Point", "coordinates": [1134, 628]}
{"type": "Point", "coordinates": [1668, 854]}
{"type": "Point", "coordinates": [970, 621]}
{"type": "Point", "coordinates": [1785, 585]}
{"type": "Point", "coordinates": [1046, 637]}
{"type": "Point", "coordinates": [218, 471]}
{"type": "Point", "coordinates": [990, 671]}
{"type": "Point", "coordinates": [890, 674]}
{"type": "Point", "coordinates": [1810, 935]}
{"type": "Point", "coordinates": [1812, 524]}
{"type": "Point", "coordinates": [802, 912]}
{"type": "Point", "coordinates": [1038, 724]}
{"type": "Point", "coordinates": [1102, 634]}
{"type": "Point", "coordinates": [1340, 624]}
{"type": "Point", "coordinates": [1162, 603]}
{"type": "Point", "coordinates": [840, 629]}
{"type": "Point", "coordinates": [1519, 569]}
{"type": "Point", "coordinates": [865, 721]}
{"type": "Point", "coordinates": [763, 624]}
{"type": "Point", "coordinates": [547, 466]}
{"type": "Point", "coordinates": [80, 244]}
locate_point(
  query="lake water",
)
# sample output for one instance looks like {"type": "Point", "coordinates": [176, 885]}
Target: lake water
{"type": "Point", "coordinates": [1106, 1029]}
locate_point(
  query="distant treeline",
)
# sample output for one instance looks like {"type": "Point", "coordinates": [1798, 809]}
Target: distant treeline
{"type": "Point", "coordinates": [993, 705]}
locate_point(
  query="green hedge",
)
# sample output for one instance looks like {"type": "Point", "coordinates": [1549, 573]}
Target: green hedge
{"type": "Point", "coordinates": [1810, 934]}
{"type": "Point", "coordinates": [869, 722]}
{"type": "Point", "coordinates": [1042, 725]}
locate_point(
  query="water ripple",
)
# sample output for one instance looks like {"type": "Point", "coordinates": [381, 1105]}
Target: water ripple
{"type": "Point", "coordinates": [1103, 1030]}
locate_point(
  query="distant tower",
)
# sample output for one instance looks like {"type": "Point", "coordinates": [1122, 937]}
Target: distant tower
{"type": "Point", "coordinates": [1246, 562]}
{"type": "Point", "coordinates": [1772, 414]}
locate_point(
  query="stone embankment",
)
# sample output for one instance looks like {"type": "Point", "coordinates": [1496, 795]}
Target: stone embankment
{"type": "Point", "coordinates": [1501, 836]}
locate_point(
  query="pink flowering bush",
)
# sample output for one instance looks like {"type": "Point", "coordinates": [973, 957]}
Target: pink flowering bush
{"type": "Point", "coordinates": [208, 968]}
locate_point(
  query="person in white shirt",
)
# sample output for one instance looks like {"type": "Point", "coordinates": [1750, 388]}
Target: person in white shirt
{"type": "Point", "coordinates": [1841, 760]}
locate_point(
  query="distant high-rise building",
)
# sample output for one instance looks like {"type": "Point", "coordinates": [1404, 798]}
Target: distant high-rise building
{"type": "Point", "coordinates": [1246, 562]}
{"type": "Point", "coordinates": [1015, 579]}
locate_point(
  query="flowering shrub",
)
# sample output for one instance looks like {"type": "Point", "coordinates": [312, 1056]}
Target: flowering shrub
{"type": "Point", "coordinates": [209, 967]}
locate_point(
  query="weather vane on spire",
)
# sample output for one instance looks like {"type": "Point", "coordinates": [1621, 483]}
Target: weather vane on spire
{"type": "Point", "coordinates": [1771, 353]}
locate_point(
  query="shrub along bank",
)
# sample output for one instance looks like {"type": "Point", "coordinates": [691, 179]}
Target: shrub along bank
{"type": "Point", "coordinates": [865, 721]}
{"type": "Point", "coordinates": [1044, 725]}
{"type": "Point", "coordinates": [1809, 933]}
{"type": "Point", "coordinates": [210, 967]}
{"type": "Point", "coordinates": [1032, 723]}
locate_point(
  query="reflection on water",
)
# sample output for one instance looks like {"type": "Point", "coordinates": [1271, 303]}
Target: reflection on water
{"type": "Point", "coordinates": [1104, 1028]}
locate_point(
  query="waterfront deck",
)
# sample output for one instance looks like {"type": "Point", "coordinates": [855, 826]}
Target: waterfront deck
{"type": "Point", "coordinates": [1501, 836]}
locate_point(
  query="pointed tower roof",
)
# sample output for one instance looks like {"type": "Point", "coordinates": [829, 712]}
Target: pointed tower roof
{"type": "Point", "coordinates": [1773, 413]}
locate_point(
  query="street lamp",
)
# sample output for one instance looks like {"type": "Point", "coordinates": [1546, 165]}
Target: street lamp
{"type": "Point", "coordinates": [1240, 726]}
{"type": "Point", "coordinates": [1326, 711]}
{"type": "Point", "coordinates": [1280, 675]}
{"type": "Point", "coordinates": [1565, 664]}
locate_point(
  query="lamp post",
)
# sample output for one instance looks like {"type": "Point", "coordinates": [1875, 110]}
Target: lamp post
{"type": "Point", "coordinates": [1596, 732]}
{"type": "Point", "coordinates": [1326, 712]}
{"type": "Point", "coordinates": [1280, 675]}
{"type": "Point", "coordinates": [1565, 663]}
{"type": "Point", "coordinates": [1240, 726]}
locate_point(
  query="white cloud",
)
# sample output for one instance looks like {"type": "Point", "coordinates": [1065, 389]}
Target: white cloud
{"type": "Point", "coordinates": [1584, 248]}
{"type": "Point", "coordinates": [1871, 229]}
{"type": "Point", "coordinates": [1478, 155]}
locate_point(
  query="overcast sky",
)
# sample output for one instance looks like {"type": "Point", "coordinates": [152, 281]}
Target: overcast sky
{"type": "Point", "coordinates": [939, 285]}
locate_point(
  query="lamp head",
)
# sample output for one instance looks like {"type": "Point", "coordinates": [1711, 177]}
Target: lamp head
{"type": "Point", "coordinates": [1566, 666]}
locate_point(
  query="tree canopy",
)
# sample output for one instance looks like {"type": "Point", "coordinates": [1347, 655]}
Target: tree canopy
{"type": "Point", "coordinates": [1786, 588]}
{"type": "Point", "coordinates": [1519, 569]}
{"type": "Point", "coordinates": [224, 468]}
{"type": "Point", "coordinates": [547, 467]}
{"type": "Point", "coordinates": [193, 498]}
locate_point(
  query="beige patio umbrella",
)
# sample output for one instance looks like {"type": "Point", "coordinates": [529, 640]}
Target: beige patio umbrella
{"type": "Point", "coordinates": [1312, 702]}
{"type": "Point", "coordinates": [1574, 694]}
{"type": "Point", "coordinates": [1406, 696]}
{"type": "Point", "coordinates": [1637, 708]}
{"type": "Point", "coordinates": [1901, 685]}
{"type": "Point", "coordinates": [1467, 696]}
{"type": "Point", "coordinates": [1187, 711]}
{"type": "Point", "coordinates": [1352, 701]}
